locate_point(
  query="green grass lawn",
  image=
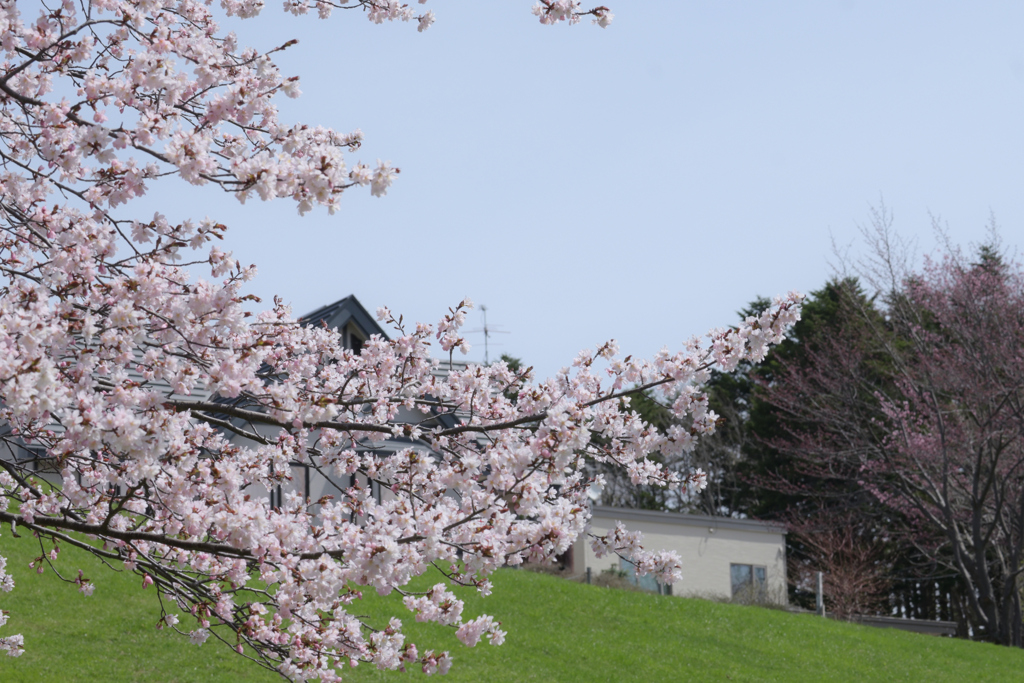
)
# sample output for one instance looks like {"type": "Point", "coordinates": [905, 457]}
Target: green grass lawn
{"type": "Point", "coordinates": [110, 636]}
{"type": "Point", "coordinates": [558, 631]}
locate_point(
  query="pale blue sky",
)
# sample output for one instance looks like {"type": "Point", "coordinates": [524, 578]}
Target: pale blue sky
{"type": "Point", "coordinates": [641, 182]}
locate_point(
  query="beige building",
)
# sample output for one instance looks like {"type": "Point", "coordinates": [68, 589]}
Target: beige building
{"type": "Point", "coordinates": [722, 557]}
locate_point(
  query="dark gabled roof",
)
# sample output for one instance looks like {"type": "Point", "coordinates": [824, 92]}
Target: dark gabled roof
{"type": "Point", "coordinates": [338, 314]}
{"type": "Point", "coordinates": [335, 316]}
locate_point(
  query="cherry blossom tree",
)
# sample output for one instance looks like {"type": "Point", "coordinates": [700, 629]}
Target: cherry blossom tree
{"type": "Point", "coordinates": [921, 407]}
{"type": "Point", "coordinates": [114, 330]}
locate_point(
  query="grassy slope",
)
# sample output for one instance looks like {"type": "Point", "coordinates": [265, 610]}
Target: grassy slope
{"type": "Point", "coordinates": [109, 637]}
{"type": "Point", "coordinates": [563, 631]}
{"type": "Point", "coordinates": [558, 631]}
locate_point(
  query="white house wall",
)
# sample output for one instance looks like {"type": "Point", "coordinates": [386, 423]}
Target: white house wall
{"type": "Point", "coordinates": [707, 546]}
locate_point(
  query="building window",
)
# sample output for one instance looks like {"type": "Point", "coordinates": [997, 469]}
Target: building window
{"type": "Point", "coordinates": [647, 582]}
{"type": "Point", "coordinates": [276, 498]}
{"type": "Point", "coordinates": [41, 461]}
{"type": "Point", "coordinates": [748, 580]}
{"type": "Point", "coordinates": [353, 339]}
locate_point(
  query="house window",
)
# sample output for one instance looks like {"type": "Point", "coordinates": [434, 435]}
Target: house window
{"type": "Point", "coordinates": [647, 582]}
{"type": "Point", "coordinates": [299, 484]}
{"type": "Point", "coordinates": [353, 339]}
{"type": "Point", "coordinates": [748, 579]}
{"type": "Point", "coordinates": [41, 461]}
{"type": "Point", "coordinates": [276, 497]}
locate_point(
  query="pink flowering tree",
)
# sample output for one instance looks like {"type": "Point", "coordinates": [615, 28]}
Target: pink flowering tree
{"type": "Point", "coordinates": [920, 406]}
{"type": "Point", "coordinates": [114, 327]}
{"type": "Point", "coordinates": [954, 458]}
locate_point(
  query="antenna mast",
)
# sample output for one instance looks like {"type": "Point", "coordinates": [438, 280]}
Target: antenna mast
{"type": "Point", "coordinates": [487, 336]}
{"type": "Point", "coordinates": [487, 331]}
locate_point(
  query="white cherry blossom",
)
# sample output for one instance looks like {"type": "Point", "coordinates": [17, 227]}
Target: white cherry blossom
{"type": "Point", "coordinates": [115, 329]}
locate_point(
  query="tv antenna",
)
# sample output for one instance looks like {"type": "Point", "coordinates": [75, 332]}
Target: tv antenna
{"type": "Point", "coordinates": [487, 331]}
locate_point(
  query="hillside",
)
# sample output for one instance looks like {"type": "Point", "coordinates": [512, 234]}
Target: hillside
{"type": "Point", "coordinates": [558, 631]}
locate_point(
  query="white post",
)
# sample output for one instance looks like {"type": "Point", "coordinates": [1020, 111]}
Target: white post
{"type": "Point", "coordinates": [820, 598]}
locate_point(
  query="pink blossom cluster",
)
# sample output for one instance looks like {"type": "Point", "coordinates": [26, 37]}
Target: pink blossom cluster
{"type": "Point", "coordinates": [115, 330]}
{"type": "Point", "coordinates": [955, 416]}
{"type": "Point", "coordinates": [11, 645]}
{"type": "Point", "coordinates": [553, 11]}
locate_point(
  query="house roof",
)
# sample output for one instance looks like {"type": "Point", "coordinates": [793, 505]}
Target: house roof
{"type": "Point", "coordinates": [340, 313]}
{"type": "Point", "coordinates": [681, 519]}
{"type": "Point", "coordinates": [335, 316]}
